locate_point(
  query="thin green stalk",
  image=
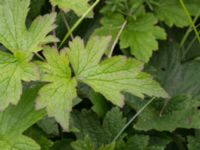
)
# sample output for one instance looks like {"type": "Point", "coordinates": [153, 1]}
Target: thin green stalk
{"type": "Point", "coordinates": [190, 44]}
{"type": "Point", "coordinates": [67, 24]}
{"type": "Point", "coordinates": [78, 22]}
{"type": "Point", "coordinates": [54, 31]}
{"type": "Point", "coordinates": [189, 30]}
{"type": "Point", "coordinates": [132, 119]}
{"type": "Point", "coordinates": [117, 38]}
{"type": "Point", "coordinates": [39, 56]}
{"type": "Point", "coordinates": [190, 19]}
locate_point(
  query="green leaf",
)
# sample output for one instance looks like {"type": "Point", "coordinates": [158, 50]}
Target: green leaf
{"type": "Point", "coordinates": [36, 7]}
{"type": "Point", "coordinates": [141, 142]}
{"type": "Point", "coordinates": [78, 6]}
{"type": "Point", "coordinates": [180, 112]}
{"type": "Point", "coordinates": [14, 34]}
{"type": "Point", "coordinates": [141, 36]}
{"type": "Point", "coordinates": [175, 72]}
{"type": "Point", "coordinates": [113, 123]}
{"type": "Point", "coordinates": [89, 125]}
{"type": "Point", "coordinates": [57, 96]}
{"type": "Point", "coordinates": [194, 141]}
{"type": "Point", "coordinates": [171, 13]}
{"type": "Point", "coordinates": [100, 105]}
{"type": "Point", "coordinates": [111, 25]}
{"type": "Point", "coordinates": [111, 76]}
{"type": "Point", "coordinates": [137, 142]}
{"type": "Point", "coordinates": [108, 147]}
{"type": "Point", "coordinates": [63, 144]}
{"type": "Point", "coordinates": [85, 144]}
{"type": "Point", "coordinates": [19, 142]}
{"type": "Point", "coordinates": [21, 41]}
{"type": "Point", "coordinates": [16, 119]}
{"type": "Point", "coordinates": [40, 137]}
{"type": "Point", "coordinates": [12, 71]}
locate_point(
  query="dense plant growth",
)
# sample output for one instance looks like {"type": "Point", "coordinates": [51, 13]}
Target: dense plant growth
{"type": "Point", "coordinates": [99, 75]}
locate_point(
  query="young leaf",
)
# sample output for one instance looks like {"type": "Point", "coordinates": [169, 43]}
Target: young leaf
{"type": "Point", "coordinates": [16, 119]}
{"type": "Point", "coordinates": [112, 76]}
{"type": "Point", "coordinates": [57, 96]}
{"type": "Point", "coordinates": [21, 41]}
{"type": "Point", "coordinates": [78, 6]}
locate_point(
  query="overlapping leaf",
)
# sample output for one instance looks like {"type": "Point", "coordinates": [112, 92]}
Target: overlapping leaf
{"type": "Point", "coordinates": [171, 12]}
{"type": "Point", "coordinates": [12, 71]}
{"type": "Point", "coordinates": [57, 96]}
{"type": "Point", "coordinates": [112, 76]}
{"type": "Point", "coordinates": [194, 141]}
{"type": "Point", "coordinates": [140, 33]}
{"type": "Point", "coordinates": [180, 112]}
{"type": "Point", "coordinates": [141, 36]}
{"type": "Point", "coordinates": [181, 82]}
{"type": "Point", "coordinates": [172, 69]}
{"type": "Point", "coordinates": [21, 41]}
{"type": "Point", "coordinates": [91, 131]}
{"type": "Point", "coordinates": [16, 119]}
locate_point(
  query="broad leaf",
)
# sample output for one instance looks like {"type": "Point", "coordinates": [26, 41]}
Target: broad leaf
{"type": "Point", "coordinates": [57, 96]}
{"type": "Point", "coordinates": [14, 34]}
{"type": "Point", "coordinates": [180, 80]}
{"type": "Point", "coordinates": [40, 137]}
{"type": "Point", "coordinates": [180, 112]}
{"type": "Point", "coordinates": [175, 72]}
{"type": "Point", "coordinates": [89, 125]}
{"type": "Point", "coordinates": [112, 76]}
{"type": "Point", "coordinates": [12, 71]}
{"type": "Point", "coordinates": [85, 144]}
{"type": "Point", "coordinates": [194, 141]}
{"type": "Point", "coordinates": [16, 119]}
{"type": "Point", "coordinates": [141, 36]}
{"type": "Point", "coordinates": [78, 6]}
{"type": "Point", "coordinates": [113, 122]}
{"type": "Point", "coordinates": [21, 41]}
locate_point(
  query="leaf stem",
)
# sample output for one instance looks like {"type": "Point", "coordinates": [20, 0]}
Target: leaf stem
{"type": "Point", "coordinates": [117, 38]}
{"type": "Point", "coordinates": [189, 30]}
{"type": "Point", "coordinates": [78, 22]}
{"type": "Point", "coordinates": [132, 119]}
{"type": "Point", "coordinates": [66, 24]}
{"type": "Point", "coordinates": [54, 31]}
{"type": "Point", "coordinates": [190, 19]}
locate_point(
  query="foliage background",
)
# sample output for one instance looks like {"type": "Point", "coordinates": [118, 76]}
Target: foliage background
{"type": "Point", "coordinates": [124, 75]}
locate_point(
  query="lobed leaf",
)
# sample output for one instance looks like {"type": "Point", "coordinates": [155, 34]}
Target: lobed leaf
{"type": "Point", "coordinates": [57, 96]}
{"type": "Point", "coordinates": [112, 76]}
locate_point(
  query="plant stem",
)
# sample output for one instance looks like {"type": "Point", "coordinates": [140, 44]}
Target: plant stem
{"type": "Point", "coordinates": [54, 31]}
{"type": "Point", "coordinates": [189, 30]}
{"type": "Point", "coordinates": [132, 119]}
{"type": "Point", "coordinates": [67, 24]}
{"type": "Point", "coordinates": [117, 38]}
{"type": "Point", "coordinates": [78, 22]}
{"type": "Point", "coordinates": [190, 19]}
